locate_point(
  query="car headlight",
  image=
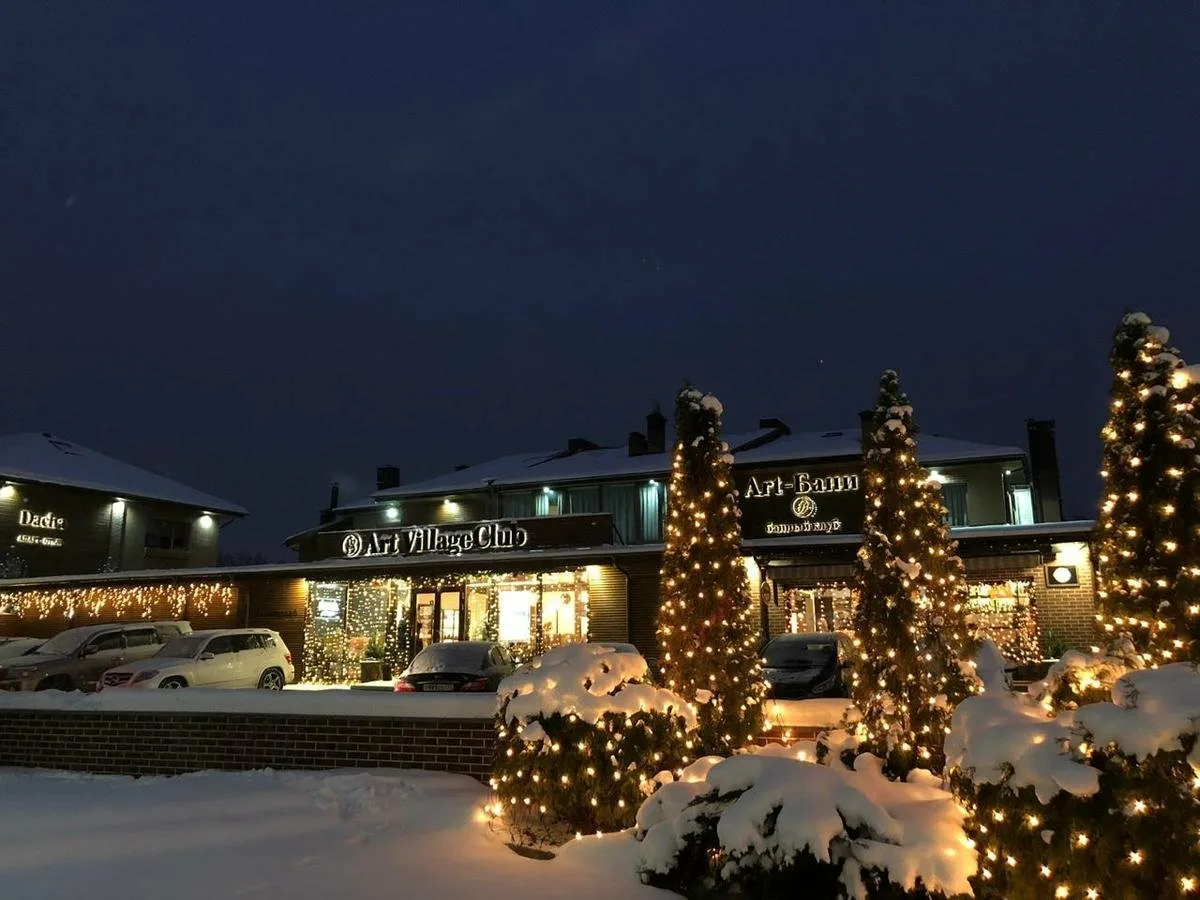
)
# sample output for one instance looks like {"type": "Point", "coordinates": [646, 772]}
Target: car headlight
{"type": "Point", "coordinates": [145, 675]}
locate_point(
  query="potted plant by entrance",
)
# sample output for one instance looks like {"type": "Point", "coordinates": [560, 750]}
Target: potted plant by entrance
{"type": "Point", "coordinates": [372, 666]}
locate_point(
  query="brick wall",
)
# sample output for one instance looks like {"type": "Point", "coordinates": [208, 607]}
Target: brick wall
{"type": "Point", "coordinates": [172, 743]}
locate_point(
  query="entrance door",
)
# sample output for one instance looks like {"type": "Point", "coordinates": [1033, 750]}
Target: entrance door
{"type": "Point", "coordinates": [439, 616]}
{"type": "Point", "coordinates": [450, 616]}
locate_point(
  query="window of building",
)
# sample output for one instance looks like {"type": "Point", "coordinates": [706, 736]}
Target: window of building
{"type": "Point", "coordinates": [653, 498]}
{"type": "Point", "coordinates": [584, 499]}
{"type": "Point", "coordinates": [548, 502]}
{"type": "Point", "coordinates": [1022, 505]}
{"type": "Point", "coordinates": [1005, 612]}
{"type": "Point", "coordinates": [516, 504]}
{"type": "Point", "coordinates": [954, 495]}
{"type": "Point", "coordinates": [168, 534]}
{"type": "Point", "coordinates": [623, 502]}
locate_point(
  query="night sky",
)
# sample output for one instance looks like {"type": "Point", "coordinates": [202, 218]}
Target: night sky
{"type": "Point", "coordinates": [258, 247]}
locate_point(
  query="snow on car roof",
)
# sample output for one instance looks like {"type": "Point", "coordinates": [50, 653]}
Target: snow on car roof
{"type": "Point", "coordinates": [48, 459]}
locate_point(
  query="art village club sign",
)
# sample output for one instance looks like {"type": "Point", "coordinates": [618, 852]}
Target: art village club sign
{"type": "Point", "coordinates": [418, 540]}
{"type": "Point", "coordinates": [813, 500]}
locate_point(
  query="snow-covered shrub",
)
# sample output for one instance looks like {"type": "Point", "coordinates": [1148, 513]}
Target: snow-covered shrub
{"type": "Point", "coordinates": [768, 824]}
{"type": "Point", "coordinates": [1098, 802]}
{"type": "Point", "coordinates": [581, 735]}
{"type": "Point", "coordinates": [1078, 678]}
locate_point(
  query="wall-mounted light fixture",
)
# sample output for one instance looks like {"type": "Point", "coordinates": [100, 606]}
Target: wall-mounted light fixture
{"type": "Point", "coordinates": [391, 513]}
{"type": "Point", "coordinates": [7, 491]}
{"type": "Point", "coordinates": [118, 507]}
{"type": "Point", "coordinates": [206, 521]}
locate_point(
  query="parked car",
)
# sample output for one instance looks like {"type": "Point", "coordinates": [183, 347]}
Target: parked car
{"type": "Point", "coordinates": [18, 646]}
{"type": "Point", "coordinates": [622, 647]}
{"type": "Point", "coordinates": [802, 666]}
{"type": "Point", "coordinates": [477, 666]}
{"type": "Point", "coordinates": [220, 658]}
{"type": "Point", "coordinates": [76, 658]}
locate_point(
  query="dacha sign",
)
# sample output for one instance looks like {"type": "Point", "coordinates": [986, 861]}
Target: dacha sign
{"type": "Point", "coordinates": [808, 500]}
{"type": "Point", "coordinates": [418, 540]}
{"type": "Point", "coordinates": [46, 529]}
{"type": "Point", "coordinates": [46, 521]}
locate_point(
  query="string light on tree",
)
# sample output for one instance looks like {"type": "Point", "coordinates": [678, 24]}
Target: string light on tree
{"type": "Point", "coordinates": [910, 622]}
{"type": "Point", "coordinates": [1148, 526]}
{"type": "Point", "coordinates": [707, 628]}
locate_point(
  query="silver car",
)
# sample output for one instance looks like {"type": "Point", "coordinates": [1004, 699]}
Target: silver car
{"type": "Point", "coordinates": [75, 659]}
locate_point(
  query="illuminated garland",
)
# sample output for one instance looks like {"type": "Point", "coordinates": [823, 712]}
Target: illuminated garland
{"type": "Point", "coordinates": [707, 628]}
{"type": "Point", "coordinates": [145, 601]}
{"type": "Point", "coordinates": [1013, 629]}
{"type": "Point", "coordinates": [910, 627]}
{"type": "Point", "coordinates": [1148, 526]}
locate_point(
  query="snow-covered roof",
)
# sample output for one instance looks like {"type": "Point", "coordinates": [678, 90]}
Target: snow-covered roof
{"type": "Point", "coordinates": [764, 446]}
{"type": "Point", "coordinates": [49, 459]}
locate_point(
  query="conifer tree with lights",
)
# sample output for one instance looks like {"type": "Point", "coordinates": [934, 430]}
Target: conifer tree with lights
{"type": "Point", "coordinates": [707, 628]}
{"type": "Point", "coordinates": [1148, 526]}
{"type": "Point", "coordinates": [910, 623]}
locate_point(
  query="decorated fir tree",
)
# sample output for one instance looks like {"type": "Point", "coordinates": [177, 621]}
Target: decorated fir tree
{"type": "Point", "coordinates": [706, 626]}
{"type": "Point", "coordinates": [1148, 527]}
{"type": "Point", "coordinates": [910, 620]}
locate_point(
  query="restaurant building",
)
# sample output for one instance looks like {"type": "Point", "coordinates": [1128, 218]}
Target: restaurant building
{"type": "Point", "coordinates": [544, 548]}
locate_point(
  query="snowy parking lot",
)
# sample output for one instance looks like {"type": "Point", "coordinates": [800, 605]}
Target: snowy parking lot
{"type": "Point", "coordinates": [307, 836]}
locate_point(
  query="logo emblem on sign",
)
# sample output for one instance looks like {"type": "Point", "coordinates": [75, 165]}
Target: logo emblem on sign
{"type": "Point", "coordinates": [352, 545]}
{"type": "Point", "coordinates": [804, 507]}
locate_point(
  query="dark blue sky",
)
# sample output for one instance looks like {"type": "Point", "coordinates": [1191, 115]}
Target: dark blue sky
{"type": "Point", "coordinates": [261, 246]}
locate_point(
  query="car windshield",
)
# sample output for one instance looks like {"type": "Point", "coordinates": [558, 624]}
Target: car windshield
{"type": "Point", "coordinates": [18, 647]}
{"type": "Point", "coordinates": [64, 644]}
{"type": "Point", "coordinates": [182, 648]}
{"type": "Point", "coordinates": [800, 654]}
{"type": "Point", "coordinates": [449, 658]}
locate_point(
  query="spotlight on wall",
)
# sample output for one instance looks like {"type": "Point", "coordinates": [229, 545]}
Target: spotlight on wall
{"type": "Point", "coordinates": [448, 502]}
{"type": "Point", "coordinates": [206, 521]}
{"type": "Point", "coordinates": [7, 492]}
{"type": "Point", "coordinates": [1062, 576]}
{"type": "Point", "coordinates": [118, 507]}
{"type": "Point", "coordinates": [391, 512]}
{"type": "Point", "coordinates": [653, 481]}
{"type": "Point", "coordinates": [547, 490]}
{"type": "Point", "coordinates": [937, 476]}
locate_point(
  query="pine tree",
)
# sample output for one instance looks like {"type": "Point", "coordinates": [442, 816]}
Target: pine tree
{"type": "Point", "coordinates": [910, 620]}
{"type": "Point", "coordinates": [1148, 527]}
{"type": "Point", "coordinates": [707, 628]}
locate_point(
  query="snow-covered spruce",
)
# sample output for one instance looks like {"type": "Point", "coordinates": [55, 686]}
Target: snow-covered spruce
{"type": "Point", "coordinates": [707, 627]}
{"type": "Point", "coordinates": [769, 824]}
{"type": "Point", "coordinates": [1105, 797]}
{"type": "Point", "coordinates": [581, 735]}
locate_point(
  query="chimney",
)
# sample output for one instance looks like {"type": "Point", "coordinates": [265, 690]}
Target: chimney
{"type": "Point", "coordinates": [656, 431]}
{"type": "Point", "coordinates": [578, 445]}
{"type": "Point", "coordinates": [327, 514]}
{"type": "Point", "coordinates": [866, 419]}
{"type": "Point", "coordinates": [637, 444]}
{"type": "Point", "coordinates": [1043, 465]}
{"type": "Point", "coordinates": [387, 477]}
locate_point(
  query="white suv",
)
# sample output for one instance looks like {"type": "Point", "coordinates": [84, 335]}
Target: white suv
{"type": "Point", "coordinates": [224, 658]}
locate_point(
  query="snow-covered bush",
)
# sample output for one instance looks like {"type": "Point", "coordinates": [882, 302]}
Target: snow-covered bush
{"type": "Point", "coordinates": [1079, 678]}
{"type": "Point", "coordinates": [581, 735]}
{"type": "Point", "coordinates": [770, 824]}
{"type": "Point", "coordinates": [1098, 802]}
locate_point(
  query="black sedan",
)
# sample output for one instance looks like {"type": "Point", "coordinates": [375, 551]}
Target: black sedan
{"type": "Point", "coordinates": [802, 666]}
{"type": "Point", "coordinates": [477, 666]}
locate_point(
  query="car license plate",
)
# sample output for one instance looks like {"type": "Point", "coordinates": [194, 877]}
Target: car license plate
{"type": "Point", "coordinates": [439, 687]}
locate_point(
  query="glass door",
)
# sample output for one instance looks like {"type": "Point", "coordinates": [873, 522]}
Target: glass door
{"type": "Point", "coordinates": [425, 603]}
{"type": "Point", "coordinates": [450, 616]}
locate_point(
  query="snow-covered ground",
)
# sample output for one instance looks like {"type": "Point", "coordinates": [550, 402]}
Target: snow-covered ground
{"type": "Point", "coordinates": [349, 835]}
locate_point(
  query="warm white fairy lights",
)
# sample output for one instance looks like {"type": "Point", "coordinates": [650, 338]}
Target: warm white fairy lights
{"type": "Point", "coordinates": [171, 600]}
